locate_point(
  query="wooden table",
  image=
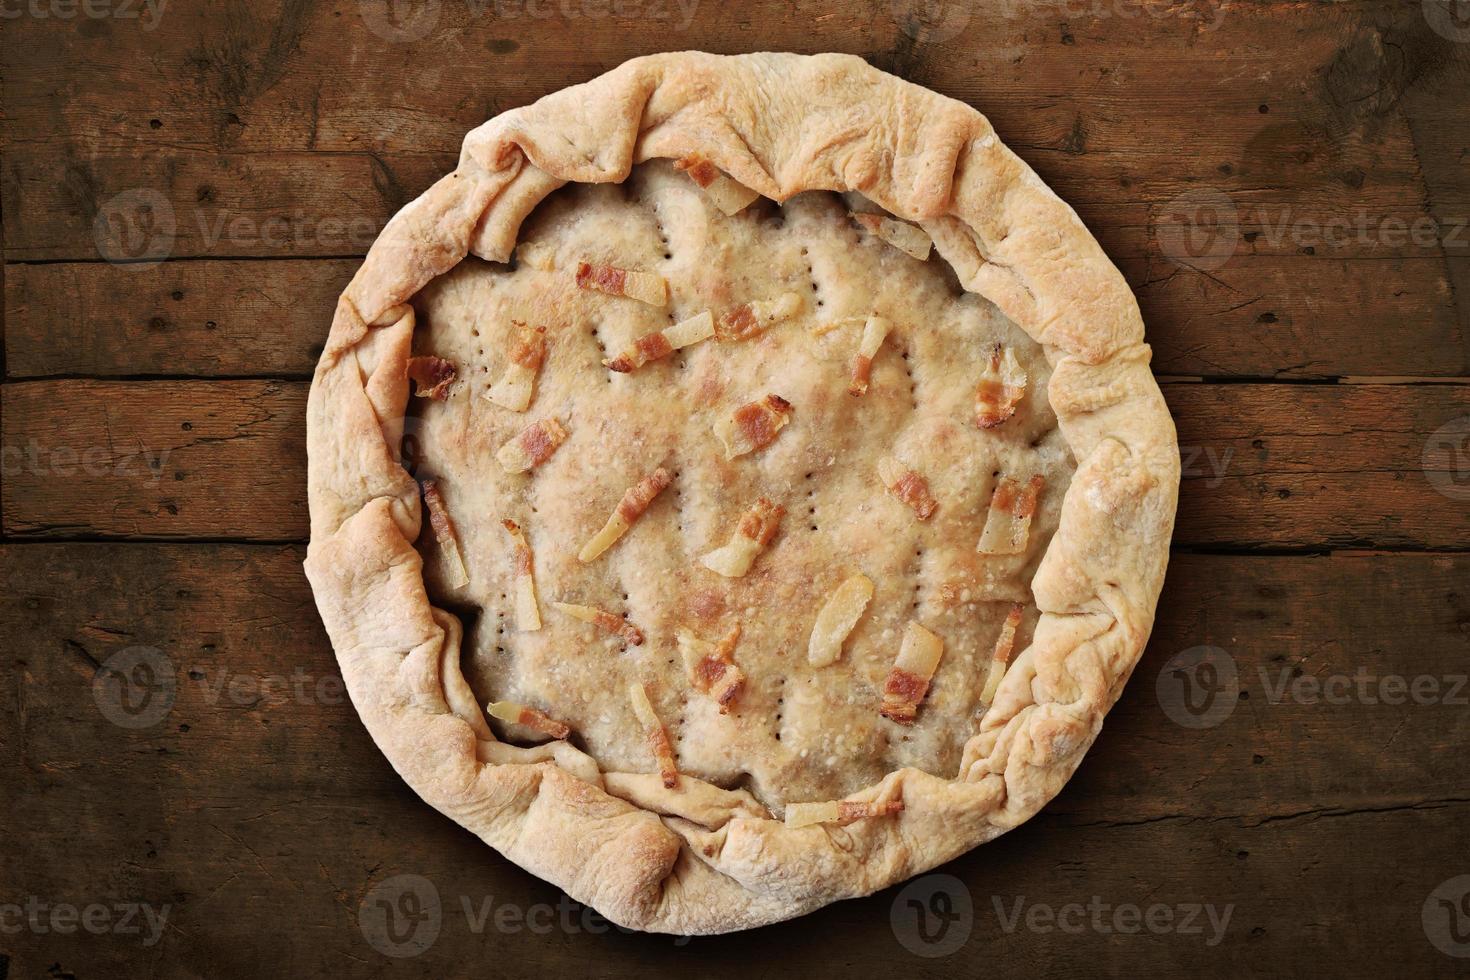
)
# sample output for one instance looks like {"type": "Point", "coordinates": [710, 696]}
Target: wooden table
{"type": "Point", "coordinates": [1286, 186]}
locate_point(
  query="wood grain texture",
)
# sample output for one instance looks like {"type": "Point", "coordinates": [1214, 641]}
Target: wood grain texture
{"type": "Point", "coordinates": [1287, 466]}
{"type": "Point", "coordinates": [259, 791]}
{"type": "Point", "coordinates": [1257, 316]}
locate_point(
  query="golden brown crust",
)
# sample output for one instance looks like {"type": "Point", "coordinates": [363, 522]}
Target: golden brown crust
{"type": "Point", "coordinates": [698, 858]}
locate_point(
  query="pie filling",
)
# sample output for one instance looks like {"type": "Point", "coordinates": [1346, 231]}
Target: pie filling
{"type": "Point", "coordinates": [730, 490]}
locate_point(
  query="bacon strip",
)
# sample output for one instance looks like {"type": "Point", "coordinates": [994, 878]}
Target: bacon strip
{"type": "Point", "coordinates": [519, 714]}
{"type": "Point", "coordinates": [601, 618]}
{"type": "Point", "coordinates": [654, 346]}
{"type": "Point", "coordinates": [443, 527]}
{"type": "Point", "coordinates": [755, 318]}
{"type": "Point", "coordinates": [646, 287]}
{"type": "Point", "coordinates": [532, 447]}
{"type": "Point", "coordinates": [844, 607]}
{"type": "Point", "coordinates": [1000, 390]}
{"type": "Point", "coordinates": [655, 733]}
{"type": "Point", "coordinates": [518, 382]}
{"type": "Point", "coordinates": [907, 486]}
{"type": "Point", "coordinates": [633, 504]}
{"type": "Point", "coordinates": [874, 332]}
{"type": "Point", "coordinates": [712, 667]}
{"type": "Point", "coordinates": [908, 680]}
{"type": "Point", "coordinates": [903, 236]}
{"type": "Point", "coordinates": [756, 529]}
{"type": "Point", "coordinates": [431, 376]}
{"type": "Point", "coordinates": [528, 611]}
{"type": "Point", "coordinates": [840, 812]}
{"type": "Point", "coordinates": [1002, 655]}
{"type": "Point", "coordinates": [1008, 525]}
{"type": "Point", "coordinates": [753, 426]}
{"type": "Point", "coordinates": [730, 196]}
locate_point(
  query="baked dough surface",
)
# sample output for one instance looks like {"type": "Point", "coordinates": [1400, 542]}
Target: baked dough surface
{"type": "Point", "coordinates": [1013, 266]}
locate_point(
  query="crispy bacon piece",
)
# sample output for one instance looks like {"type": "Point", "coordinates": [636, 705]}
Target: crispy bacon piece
{"type": "Point", "coordinates": [712, 667]}
{"type": "Point", "coordinates": [528, 611]}
{"type": "Point", "coordinates": [662, 343]}
{"type": "Point", "coordinates": [518, 382]}
{"type": "Point", "coordinates": [729, 195]}
{"type": "Point", "coordinates": [908, 681]}
{"type": "Point", "coordinates": [633, 504]}
{"type": "Point", "coordinates": [843, 608]}
{"type": "Point", "coordinates": [1008, 525]}
{"type": "Point", "coordinates": [874, 332]}
{"type": "Point", "coordinates": [1002, 655]}
{"type": "Point", "coordinates": [646, 287]}
{"type": "Point", "coordinates": [753, 319]}
{"type": "Point", "coordinates": [532, 447]}
{"type": "Point", "coordinates": [840, 812]}
{"type": "Point", "coordinates": [753, 426]}
{"type": "Point", "coordinates": [443, 527]}
{"type": "Point", "coordinates": [519, 714]}
{"type": "Point", "coordinates": [903, 236]}
{"type": "Point", "coordinates": [907, 486]}
{"type": "Point", "coordinates": [601, 618]}
{"type": "Point", "coordinates": [756, 529]}
{"type": "Point", "coordinates": [431, 376]}
{"type": "Point", "coordinates": [1001, 388]}
{"type": "Point", "coordinates": [657, 735]}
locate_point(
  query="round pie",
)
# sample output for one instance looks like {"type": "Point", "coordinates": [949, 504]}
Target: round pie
{"type": "Point", "coordinates": [738, 486]}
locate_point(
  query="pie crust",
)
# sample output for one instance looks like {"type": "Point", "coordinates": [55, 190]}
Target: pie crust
{"type": "Point", "coordinates": [664, 809]}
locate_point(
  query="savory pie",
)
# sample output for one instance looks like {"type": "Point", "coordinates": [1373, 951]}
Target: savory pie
{"type": "Point", "coordinates": [739, 486]}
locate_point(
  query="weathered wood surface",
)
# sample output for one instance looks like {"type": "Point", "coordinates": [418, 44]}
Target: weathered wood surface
{"type": "Point", "coordinates": [1284, 466]}
{"type": "Point", "coordinates": [1298, 317]}
{"type": "Point", "coordinates": [279, 136]}
{"type": "Point", "coordinates": [258, 790]}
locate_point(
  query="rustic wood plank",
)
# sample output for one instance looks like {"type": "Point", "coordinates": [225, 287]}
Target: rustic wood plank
{"type": "Point", "coordinates": [1287, 466]}
{"type": "Point", "coordinates": [1258, 316]}
{"type": "Point", "coordinates": [295, 115]}
{"type": "Point", "coordinates": [258, 789]}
